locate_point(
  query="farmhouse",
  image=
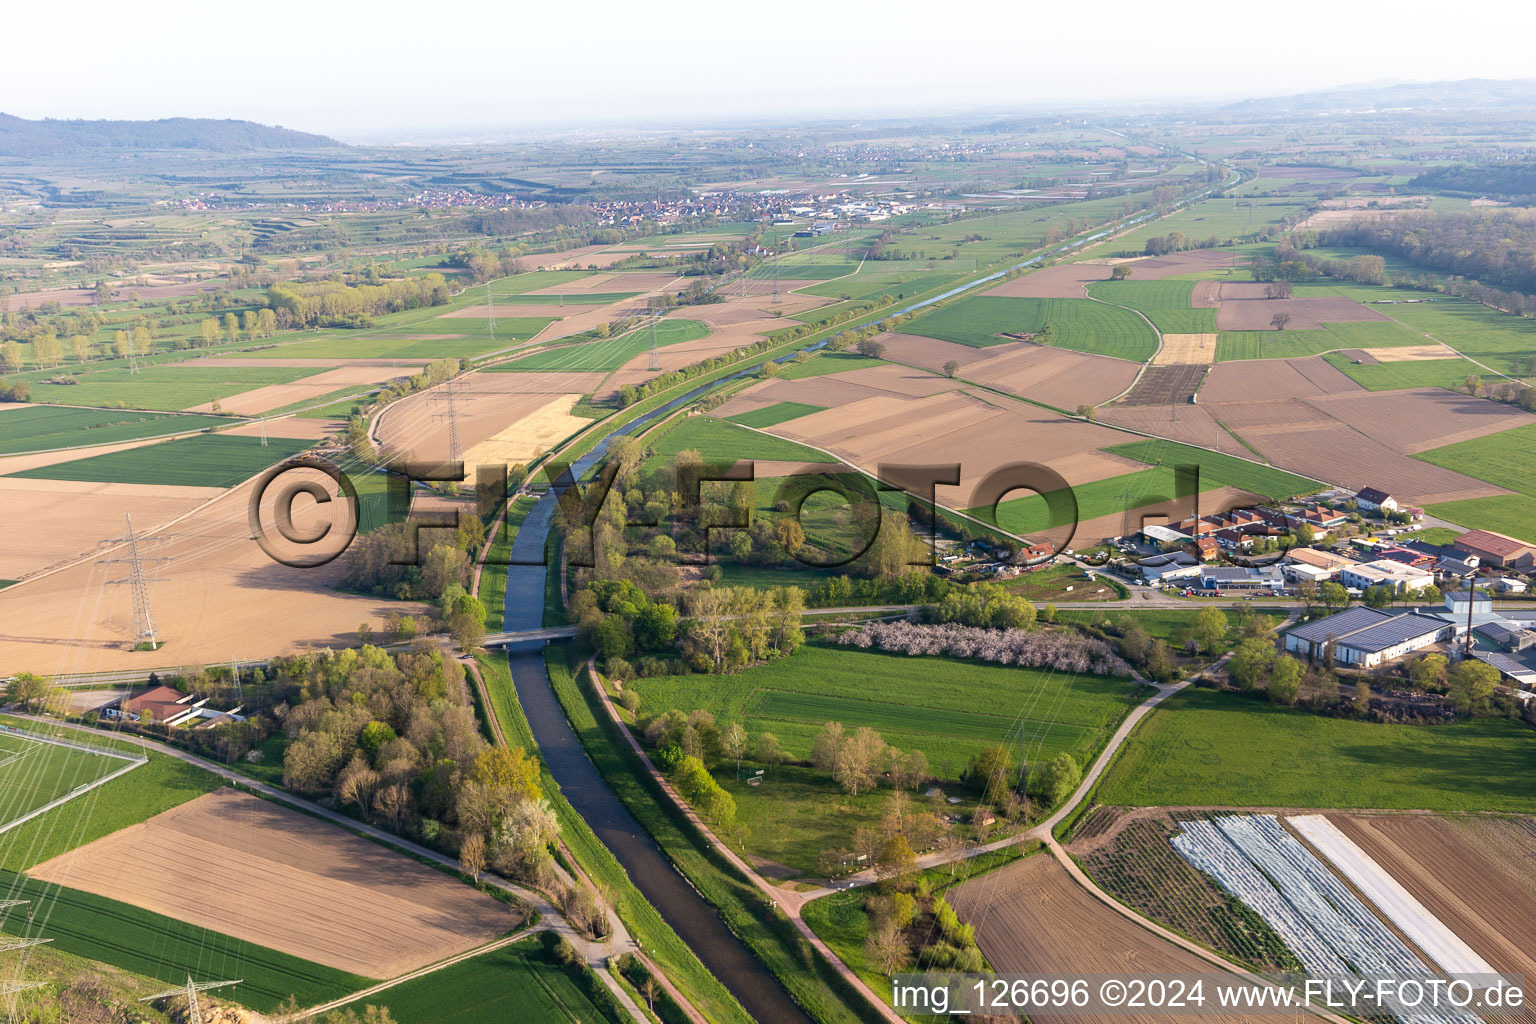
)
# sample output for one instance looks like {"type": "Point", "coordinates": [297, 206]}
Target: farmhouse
{"type": "Point", "coordinates": [1385, 572]}
{"type": "Point", "coordinates": [1365, 637]}
{"type": "Point", "coordinates": [1370, 499]}
{"type": "Point", "coordinates": [1497, 549]}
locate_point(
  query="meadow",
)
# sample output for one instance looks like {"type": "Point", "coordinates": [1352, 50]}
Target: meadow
{"type": "Point", "coordinates": [1165, 303]}
{"type": "Point", "coordinates": [1223, 469]}
{"type": "Point", "coordinates": [947, 708]}
{"type": "Point", "coordinates": [778, 412]}
{"type": "Point", "coordinates": [1231, 345]}
{"type": "Point", "coordinates": [34, 773]}
{"type": "Point", "coordinates": [824, 362]}
{"type": "Point", "coordinates": [1079, 324]}
{"type": "Point", "coordinates": [40, 428]}
{"type": "Point", "coordinates": [1504, 459]}
{"type": "Point", "coordinates": [160, 947]}
{"type": "Point", "coordinates": [721, 441]}
{"type": "Point", "coordinates": [422, 340]}
{"type": "Point", "coordinates": [1222, 219]}
{"type": "Point", "coordinates": [1209, 749]}
{"type": "Point", "coordinates": [877, 279]}
{"type": "Point", "coordinates": [606, 353]}
{"type": "Point", "coordinates": [1002, 236]}
{"type": "Point", "coordinates": [203, 460]}
{"type": "Point", "coordinates": [165, 387]}
{"type": "Point", "coordinates": [1408, 373]}
{"type": "Point", "coordinates": [1501, 340]}
{"type": "Point", "coordinates": [519, 982]}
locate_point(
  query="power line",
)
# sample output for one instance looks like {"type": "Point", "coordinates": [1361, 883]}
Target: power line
{"type": "Point", "coordinates": [448, 393]}
{"type": "Point", "coordinates": [143, 618]}
{"type": "Point", "coordinates": [490, 312]}
{"type": "Point", "coordinates": [190, 990]}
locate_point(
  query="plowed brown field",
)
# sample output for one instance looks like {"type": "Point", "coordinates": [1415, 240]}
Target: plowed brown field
{"type": "Point", "coordinates": [1032, 918]}
{"type": "Point", "coordinates": [1063, 281]}
{"type": "Point", "coordinates": [1056, 377]}
{"type": "Point", "coordinates": [1256, 314]}
{"type": "Point", "coordinates": [246, 867]}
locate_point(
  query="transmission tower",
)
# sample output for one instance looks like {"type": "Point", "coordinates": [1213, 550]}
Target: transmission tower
{"type": "Point", "coordinates": [143, 619]}
{"type": "Point", "coordinates": [234, 675]}
{"type": "Point", "coordinates": [490, 312]}
{"type": "Point", "coordinates": [448, 393]}
{"type": "Point", "coordinates": [7, 945]}
{"type": "Point", "coordinates": [262, 425]}
{"type": "Point", "coordinates": [655, 363]}
{"type": "Point", "coordinates": [190, 990]}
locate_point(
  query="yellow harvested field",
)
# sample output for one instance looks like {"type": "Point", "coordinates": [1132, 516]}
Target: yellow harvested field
{"type": "Point", "coordinates": [318, 386]}
{"type": "Point", "coordinates": [63, 519]}
{"type": "Point", "coordinates": [1411, 353]}
{"type": "Point", "coordinates": [1183, 349]}
{"type": "Point", "coordinates": [234, 863]}
{"type": "Point", "coordinates": [531, 435]}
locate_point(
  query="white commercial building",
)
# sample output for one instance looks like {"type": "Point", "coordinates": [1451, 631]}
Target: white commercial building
{"type": "Point", "coordinates": [1385, 572]}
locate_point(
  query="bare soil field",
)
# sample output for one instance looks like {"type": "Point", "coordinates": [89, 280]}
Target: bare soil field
{"type": "Point", "coordinates": [1269, 379]}
{"type": "Point", "coordinates": [1410, 353]}
{"type": "Point", "coordinates": [1192, 424]}
{"type": "Point", "coordinates": [978, 432]}
{"type": "Point", "coordinates": [1256, 314]}
{"type": "Point", "coordinates": [87, 296]}
{"type": "Point", "coordinates": [530, 436]}
{"type": "Point", "coordinates": [1422, 418]}
{"type": "Point", "coordinates": [552, 308]}
{"type": "Point", "coordinates": [1460, 872]}
{"type": "Point", "coordinates": [289, 426]}
{"type": "Point", "coordinates": [218, 596]}
{"type": "Point", "coordinates": [246, 867]}
{"type": "Point", "coordinates": [1032, 918]}
{"type": "Point", "coordinates": [1056, 377]}
{"type": "Point", "coordinates": [1360, 355]}
{"type": "Point", "coordinates": [765, 285]}
{"type": "Point", "coordinates": [62, 519]}
{"type": "Point", "coordinates": [1192, 262]}
{"type": "Point", "coordinates": [1186, 348]}
{"type": "Point", "coordinates": [316, 386]}
{"type": "Point", "coordinates": [488, 404]}
{"type": "Point", "coordinates": [1063, 281]}
{"type": "Point", "coordinates": [322, 364]}
{"type": "Point", "coordinates": [1167, 385]}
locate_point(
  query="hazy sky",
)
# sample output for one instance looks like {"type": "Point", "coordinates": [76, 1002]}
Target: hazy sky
{"type": "Point", "coordinates": [368, 70]}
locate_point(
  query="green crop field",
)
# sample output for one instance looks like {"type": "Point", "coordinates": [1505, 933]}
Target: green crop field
{"type": "Point", "coordinates": [1292, 344]}
{"type": "Point", "coordinates": [811, 268]}
{"type": "Point", "coordinates": [1234, 472]}
{"type": "Point", "coordinates": [203, 460]}
{"type": "Point", "coordinates": [876, 280]}
{"type": "Point", "coordinates": [1222, 219]}
{"type": "Point", "coordinates": [1116, 494]}
{"type": "Point", "coordinates": [720, 441]}
{"type": "Point", "coordinates": [34, 772]}
{"type": "Point", "coordinates": [1212, 749]}
{"type": "Point", "coordinates": [947, 708]}
{"type": "Point", "coordinates": [1504, 459]}
{"type": "Point", "coordinates": [1079, 324]}
{"type": "Point", "coordinates": [520, 982]}
{"type": "Point", "coordinates": [606, 353]}
{"type": "Point", "coordinates": [160, 947]}
{"type": "Point", "coordinates": [566, 299]}
{"type": "Point", "coordinates": [824, 362]}
{"type": "Point", "coordinates": [1501, 340]}
{"type": "Point", "coordinates": [1409, 373]}
{"type": "Point", "coordinates": [1165, 303]}
{"type": "Point", "coordinates": [778, 412]}
{"type": "Point", "coordinates": [166, 387]}
{"type": "Point", "coordinates": [39, 428]}
{"type": "Point", "coordinates": [422, 341]}
{"type": "Point", "coordinates": [518, 285]}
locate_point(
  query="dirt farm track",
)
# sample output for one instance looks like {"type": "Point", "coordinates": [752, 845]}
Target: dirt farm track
{"type": "Point", "coordinates": [243, 866]}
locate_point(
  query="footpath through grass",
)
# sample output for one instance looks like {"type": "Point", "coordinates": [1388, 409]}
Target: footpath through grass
{"type": "Point", "coordinates": [813, 982]}
{"type": "Point", "coordinates": [1204, 749]}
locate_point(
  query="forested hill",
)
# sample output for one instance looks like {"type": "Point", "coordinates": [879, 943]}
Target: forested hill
{"type": "Point", "coordinates": [1468, 93]}
{"type": "Point", "coordinates": [20, 137]}
{"type": "Point", "coordinates": [1505, 180]}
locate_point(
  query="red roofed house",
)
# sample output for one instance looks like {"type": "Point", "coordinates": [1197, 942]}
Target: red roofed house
{"type": "Point", "coordinates": [1497, 549]}
{"type": "Point", "coordinates": [165, 706]}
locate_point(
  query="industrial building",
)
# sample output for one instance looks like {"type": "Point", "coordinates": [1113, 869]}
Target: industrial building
{"type": "Point", "coordinates": [1385, 572]}
{"type": "Point", "coordinates": [1365, 637]}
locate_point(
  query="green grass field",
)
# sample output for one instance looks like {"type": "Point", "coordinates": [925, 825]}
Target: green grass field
{"type": "Point", "coordinates": [947, 708]}
{"type": "Point", "coordinates": [1501, 340]}
{"type": "Point", "coordinates": [778, 412]}
{"type": "Point", "coordinates": [1292, 344]}
{"type": "Point", "coordinates": [166, 387]}
{"type": "Point", "coordinates": [1504, 459]}
{"type": "Point", "coordinates": [876, 280]}
{"type": "Point", "coordinates": [1409, 373]}
{"type": "Point", "coordinates": [507, 287]}
{"type": "Point", "coordinates": [607, 353]}
{"type": "Point", "coordinates": [1165, 303]}
{"type": "Point", "coordinates": [39, 428]}
{"type": "Point", "coordinates": [519, 982]}
{"type": "Point", "coordinates": [1115, 495]}
{"type": "Point", "coordinates": [203, 460]}
{"type": "Point", "coordinates": [1220, 218]}
{"type": "Point", "coordinates": [34, 772]}
{"type": "Point", "coordinates": [823, 363]}
{"type": "Point", "coordinates": [572, 299]}
{"type": "Point", "coordinates": [721, 441]}
{"type": "Point", "coordinates": [1079, 324]}
{"type": "Point", "coordinates": [1212, 749]}
{"type": "Point", "coordinates": [1234, 472]}
{"type": "Point", "coordinates": [160, 947]}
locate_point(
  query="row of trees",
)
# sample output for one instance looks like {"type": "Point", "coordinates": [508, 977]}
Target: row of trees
{"type": "Point", "coordinates": [336, 302]}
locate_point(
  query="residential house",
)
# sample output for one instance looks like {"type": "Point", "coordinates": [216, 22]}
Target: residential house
{"type": "Point", "coordinates": [1371, 499]}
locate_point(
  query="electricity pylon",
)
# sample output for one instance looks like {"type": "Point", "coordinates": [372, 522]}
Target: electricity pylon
{"type": "Point", "coordinates": [262, 426]}
{"type": "Point", "coordinates": [448, 393]}
{"type": "Point", "coordinates": [7, 945]}
{"type": "Point", "coordinates": [138, 582]}
{"type": "Point", "coordinates": [490, 312]}
{"type": "Point", "coordinates": [190, 990]}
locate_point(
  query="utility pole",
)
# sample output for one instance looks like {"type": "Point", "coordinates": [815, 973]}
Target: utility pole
{"type": "Point", "coordinates": [138, 582]}
{"type": "Point", "coordinates": [450, 395]}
